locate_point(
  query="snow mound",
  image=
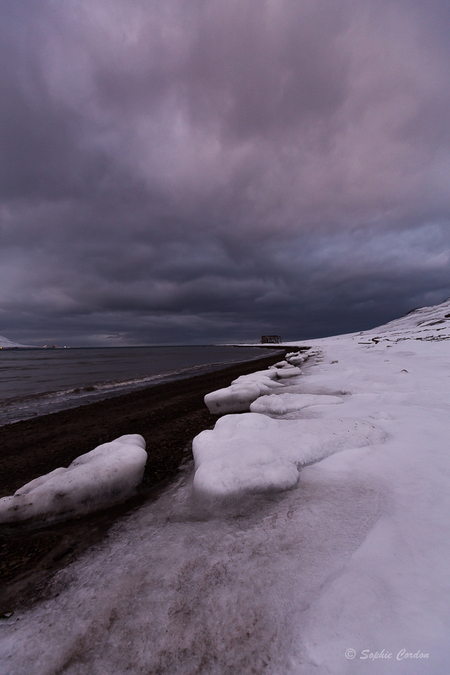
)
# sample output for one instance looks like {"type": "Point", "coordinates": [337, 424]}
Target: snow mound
{"type": "Point", "coordinates": [280, 404]}
{"type": "Point", "coordinates": [255, 453]}
{"type": "Point", "coordinates": [290, 371]}
{"type": "Point", "coordinates": [258, 376]}
{"type": "Point", "coordinates": [106, 475]}
{"type": "Point", "coordinates": [236, 398]}
{"type": "Point", "coordinates": [295, 359]}
{"type": "Point", "coordinates": [242, 392]}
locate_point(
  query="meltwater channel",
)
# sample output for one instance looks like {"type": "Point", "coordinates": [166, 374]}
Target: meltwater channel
{"type": "Point", "coordinates": [40, 381]}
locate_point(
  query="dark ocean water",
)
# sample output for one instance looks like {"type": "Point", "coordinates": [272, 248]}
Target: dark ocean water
{"type": "Point", "coordinates": [37, 382]}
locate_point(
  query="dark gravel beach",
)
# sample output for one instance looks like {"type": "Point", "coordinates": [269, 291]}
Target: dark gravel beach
{"type": "Point", "coordinates": [168, 416]}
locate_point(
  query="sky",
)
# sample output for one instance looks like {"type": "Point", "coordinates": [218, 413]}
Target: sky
{"type": "Point", "coordinates": [201, 171]}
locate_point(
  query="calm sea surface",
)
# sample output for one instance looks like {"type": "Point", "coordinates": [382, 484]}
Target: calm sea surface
{"type": "Point", "coordinates": [37, 381]}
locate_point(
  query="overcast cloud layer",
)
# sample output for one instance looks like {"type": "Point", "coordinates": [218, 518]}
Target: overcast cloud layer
{"type": "Point", "coordinates": [205, 170]}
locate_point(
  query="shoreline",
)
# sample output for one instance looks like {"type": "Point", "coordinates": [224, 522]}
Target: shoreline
{"type": "Point", "coordinates": [167, 415]}
{"type": "Point", "coordinates": [42, 395]}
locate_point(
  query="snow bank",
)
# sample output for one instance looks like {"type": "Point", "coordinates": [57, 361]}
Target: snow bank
{"type": "Point", "coordinates": [290, 371]}
{"type": "Point", "coordinates": [258, 376]}
{"type": "Point", "coordinates": [106, 475]}
{"type": "Point", "coordinates": [280, 404]}
{"type": "Point", "coordinates": [242, 392]}
{"type": "Point", "coordinates": [295, 359]}
{"type": "Point", "coordinates": [255, 453]}
{"type": "Point", "coordinates": [236, 398]}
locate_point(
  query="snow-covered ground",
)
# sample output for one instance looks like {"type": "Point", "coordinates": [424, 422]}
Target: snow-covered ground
{"type": "Point", "coordinates": [347, 571]}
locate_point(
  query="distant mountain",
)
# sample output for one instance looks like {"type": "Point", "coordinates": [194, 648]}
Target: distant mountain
{"type": "Point", "coordinates": [9, 344]}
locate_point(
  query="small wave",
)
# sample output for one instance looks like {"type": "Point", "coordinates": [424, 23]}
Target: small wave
{"type": "Point", "coordinates": [23, 407]}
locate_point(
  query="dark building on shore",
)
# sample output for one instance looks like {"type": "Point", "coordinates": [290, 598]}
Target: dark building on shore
{"type": "Point", "coordinates": [270, 339]}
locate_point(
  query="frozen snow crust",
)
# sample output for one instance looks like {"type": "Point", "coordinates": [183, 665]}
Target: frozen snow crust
{"type": "Point", "coordinates": [254, 453]}
{"type": "Point", "coordinates": [286, 403]}
{"type": "Point", "coordinates": [106, 475]}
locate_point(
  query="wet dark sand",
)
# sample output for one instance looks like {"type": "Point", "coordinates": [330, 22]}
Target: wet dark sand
{"type": "Point", "coordinates": [168, 416]}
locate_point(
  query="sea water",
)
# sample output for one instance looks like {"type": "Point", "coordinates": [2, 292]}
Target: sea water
{"type": "Point", "coordinates": [40, 381]}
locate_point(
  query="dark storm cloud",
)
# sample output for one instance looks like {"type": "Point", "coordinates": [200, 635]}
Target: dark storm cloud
{"type": "Point", "coordinates": [205, 171]}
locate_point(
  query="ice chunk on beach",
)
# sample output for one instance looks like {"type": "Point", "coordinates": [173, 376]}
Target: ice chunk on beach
{"type": "Point", "coordinates": [289, 371]}
{"type": "Point", "coordinates": [280, 404]}
{"type": "Point", "coordinates": [236, 398]}
{"type": "Point", "coordinates": [106, 475]}
{"type": "Point", "coordinates": [242, 392]}
{"type": "Point", "coordinates": [257, 376]}
{"type": "Point", "coordinates": [269, 382]}
{"type": "Point", "coordinates": [295, 359]}
{"type": "Point", "coordinates": [255, 453]}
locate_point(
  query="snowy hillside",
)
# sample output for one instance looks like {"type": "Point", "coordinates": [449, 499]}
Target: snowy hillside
{"type": "Point", "coordinates": [425, 323]}
{"type": "Point", "coordinates": [311, 536]}
{"type": "Point", "coordinates": [9, 344]}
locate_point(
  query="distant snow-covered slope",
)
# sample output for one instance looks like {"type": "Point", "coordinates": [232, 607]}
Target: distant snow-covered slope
{"type": "Point", "coordinates": [424, 323]}
{"type": "Point", "coordinates": [9, 344]}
